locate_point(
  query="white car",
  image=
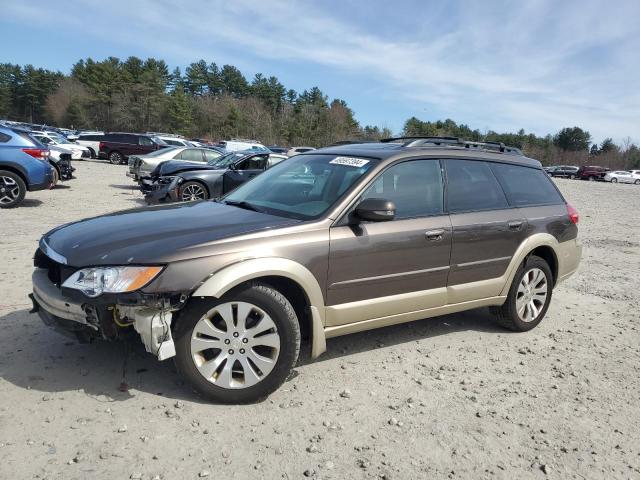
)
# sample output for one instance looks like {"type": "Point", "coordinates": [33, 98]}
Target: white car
{"type": "Point", "coordinates": [243, 146]}
{"type": "Point", "coordinates": [622, 176]}
{"type": "Point", "coordinates": [296, 150]}
{"type": "Point", "coordinates": [57, 144]}
{"type": "Point", "coordinates": [91, 141]}
{"type": "Point", "coordinates": [176, 141]}
{"type": "Point", "coordinates": [143, 165]}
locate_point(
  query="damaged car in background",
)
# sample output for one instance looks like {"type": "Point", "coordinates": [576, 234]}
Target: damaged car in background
{"type": "Point", "coordinates": [176, 181]}
{"type": "Point", "coordinates": [141, 166]}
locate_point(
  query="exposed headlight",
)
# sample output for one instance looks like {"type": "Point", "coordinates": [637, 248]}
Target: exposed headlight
{"type": "Point", "coordinates": [170, 180]}
{"type": "Point", "coordinates": [98, 280]}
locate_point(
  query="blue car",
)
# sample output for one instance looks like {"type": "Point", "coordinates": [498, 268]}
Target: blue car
{"type": "Point", "coordinates": [24, 166]}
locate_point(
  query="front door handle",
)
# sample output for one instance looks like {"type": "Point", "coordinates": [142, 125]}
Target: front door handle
{"type": "Point", "coordinates": [434, 235]}
{"type": "Point", "coordinates": [515, 225]}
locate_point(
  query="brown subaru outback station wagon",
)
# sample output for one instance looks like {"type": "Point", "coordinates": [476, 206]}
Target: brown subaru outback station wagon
{"type": "Point", "coordinates": [326, 243]}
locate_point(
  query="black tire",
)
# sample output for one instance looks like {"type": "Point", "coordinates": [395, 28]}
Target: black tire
{"type": "Point", "coordinates": [56, 176]}
{"type": "Point", "coordinates": [614, 180]}
{"type": "Point", "coordinates": [572, 177]}
{"type": "Point", "coordinates": [507, 314]}
{"type": "Point", "coordinates": [12, 189]}
{"type": "Point", "coordinates": [184, 188]}
{"type": "Point", "coordinates": [637, 182]}
{"type": "Point", "coordinates": [93, 153]}
{"type": "Point", "coordinates": [116, 158]}
{"type": "Point", "coordinates": [281, 312]}
{"type": "Point", "coordinates": [591, 178]}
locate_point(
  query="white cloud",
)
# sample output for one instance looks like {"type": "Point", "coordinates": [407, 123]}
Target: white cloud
{"type": "Point", "coordinates": [540, 65]}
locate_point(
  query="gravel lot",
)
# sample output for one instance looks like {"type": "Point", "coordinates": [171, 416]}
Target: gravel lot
{"type": "Point", "coordinates": [450, 397]}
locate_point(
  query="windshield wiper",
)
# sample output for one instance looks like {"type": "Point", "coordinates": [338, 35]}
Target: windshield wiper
{"type": "Point", "coordinates": [243, 204]}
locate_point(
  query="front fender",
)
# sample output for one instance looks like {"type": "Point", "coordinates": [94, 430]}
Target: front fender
{"type": "Point", "coordinates": [233, 275]}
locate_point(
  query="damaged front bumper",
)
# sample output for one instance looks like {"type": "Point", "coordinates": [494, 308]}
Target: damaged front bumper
{"type": "Point", "coordinates": [162, 192]}
{"type": "Point", "coordinates": [88, 319]}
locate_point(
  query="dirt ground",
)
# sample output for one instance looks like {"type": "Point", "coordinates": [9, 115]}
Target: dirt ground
{"type": "Point", "coordinates": [451, 397]}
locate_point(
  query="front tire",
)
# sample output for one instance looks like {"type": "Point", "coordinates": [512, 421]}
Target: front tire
{"type": "Point", "coordinates": [637, 182]}
{"type": "Point", "coordinates": [191, 191]}
{"type": "Point", "coordinates": [239, 348]}
{"type": "Point", "coordinates": [614, 180]}
{"type": "Point", "coordinates": [529, 296]}
{"type": "Point", "coordinates": [56, 177]}
{"type": "Point", "coordinates": [116, 158]}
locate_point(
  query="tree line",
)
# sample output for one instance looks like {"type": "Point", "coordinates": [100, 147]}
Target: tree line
{"type": "Point", "coordinates": [218, 102]}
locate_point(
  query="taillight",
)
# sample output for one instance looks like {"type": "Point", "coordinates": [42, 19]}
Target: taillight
{"type": "Point", "coordinates": [39, 153]}
{"type": "Point", "coordinates": [573, 214]}
{"type": "Point", "coordinates": [101, 146]}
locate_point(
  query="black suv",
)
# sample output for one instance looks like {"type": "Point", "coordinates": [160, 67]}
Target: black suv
{"type": "Point", "coordinates": [116, 147]}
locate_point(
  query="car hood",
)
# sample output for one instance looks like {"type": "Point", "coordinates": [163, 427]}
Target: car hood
{"type": "Point", "coordinates": [155, 235]}
{"type": "Point", "coordinates": [172, 167]}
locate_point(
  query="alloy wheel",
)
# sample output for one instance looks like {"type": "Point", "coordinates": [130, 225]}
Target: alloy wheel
{"type": "Point", "coordinates": [532, 295]}
{"type": "Point", "coordinates": [9, 190]}
{"type": "Point", "coordinates": [192, 192]}
{"type": "Point", "coordinates": [235, 345]}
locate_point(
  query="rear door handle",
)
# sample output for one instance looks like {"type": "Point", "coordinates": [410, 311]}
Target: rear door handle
{"type": "Point", "coordinates": [515, 225]}
{"type": "Point", "coordinates": [434, 235]}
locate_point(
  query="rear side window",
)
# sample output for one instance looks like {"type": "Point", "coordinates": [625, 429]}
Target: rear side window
{"type": "Point", "coordinates": [472, 186]}
{"type": "Point", "coordinates": [4, 138]}
{"type": "Point", "coordinates": [526, 186]}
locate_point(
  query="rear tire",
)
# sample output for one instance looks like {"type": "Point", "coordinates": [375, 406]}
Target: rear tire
{"type": "Point", "coordinates": [116, 158]}
{"type": "Point", "coordinates": [56, 176]}
{"type": "Point", "coordinates": [525, 306]}
{"type": "Point", "coordinates": [218, 351]}
{"type": "Point", "coordinates": [12, 189]}
{"type": "Point", "coordinates": [591, 178]}
{"type": "Point", "coordinates": [92, 152]}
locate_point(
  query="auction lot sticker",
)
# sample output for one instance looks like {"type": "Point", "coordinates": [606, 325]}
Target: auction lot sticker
{"type": "Point", "coordinates": [349, 161]}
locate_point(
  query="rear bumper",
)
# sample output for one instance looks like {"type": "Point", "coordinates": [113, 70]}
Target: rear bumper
{"type": "Point", "coordinates": [569, 255]}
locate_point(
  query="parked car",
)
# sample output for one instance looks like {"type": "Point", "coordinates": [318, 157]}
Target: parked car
{"type": "Point", "coordinates": [141, 166]}
{"type": "Point", "coordinates": [57, 144]}
{"type": "Point", "coordinates": [296, 150]}
{"type": "Point", "coordinates": [117, 147]}
{"type": "Point", "coordinates": [237, 145]}
{"type": "Point", "coordinates": [91, 141]}
{"type": "Point", "coordinates": [175, 141]}
{"type": "Point", "coordinates": [185, 181]}
{"type": "Point", "coordinates": [591, 173]}
{"type": "Point", "coordinates": [622, 176]}
{"type": "Point", "coordinates": [277, 149]}
{"type": "Point", "coordinates": [24, 166]}
{"type": "Point", "coordinates": [324, 244]}
{"type": "Point", "coordinates": [564, 171]}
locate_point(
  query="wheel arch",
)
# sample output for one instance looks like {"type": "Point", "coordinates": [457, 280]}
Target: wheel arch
{"type": "Point", "coordinates": [11, 169]}
{"type": "Point", "coordinates": [300, 287]}
{"type": "Point", "coordinates": [549, 255]}
{"type": "Point", "coordinates": [202, 183]}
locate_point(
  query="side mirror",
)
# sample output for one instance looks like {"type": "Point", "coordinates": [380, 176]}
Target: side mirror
{"type": "Point", "coordinates": [376, 210]}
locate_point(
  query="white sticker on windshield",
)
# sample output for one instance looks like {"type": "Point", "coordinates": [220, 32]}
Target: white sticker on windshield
{"type": "Point", "coordinates": [349, 161]}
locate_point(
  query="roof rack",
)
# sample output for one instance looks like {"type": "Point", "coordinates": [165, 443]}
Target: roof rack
{"type": "Point", "coordinates": [416, 141]}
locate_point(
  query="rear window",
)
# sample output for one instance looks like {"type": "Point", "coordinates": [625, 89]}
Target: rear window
{"type": "Point", "coordinates": [471, 186]}
{"type": "Point", "coordinates": [525, 186]}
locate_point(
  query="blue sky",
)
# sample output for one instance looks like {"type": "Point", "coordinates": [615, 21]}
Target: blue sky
{"type": "Point", "coordinates": [500, 65]}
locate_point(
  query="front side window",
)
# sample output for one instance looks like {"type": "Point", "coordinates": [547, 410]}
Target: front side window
{"type": "Point", "coordinates": [303, 188]}
{"type": "Point", "coordinates": [526, 186]}
{"type": "Point", "coordinates": [192, 155]}
{"type": "Point", "coordinates": [258, 162]}
{"type": "Point", "coordinates": [145, 141]}
{"type": "Point", "coordinates": [471, 186]}
{"type": "Point", "coordinates": [415, 187]}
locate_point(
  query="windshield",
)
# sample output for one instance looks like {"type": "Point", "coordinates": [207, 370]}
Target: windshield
{"type": "Point", "coordinates": [226, 160]}
{"type": "Point", "coordinates": [58, 138]}
{"type": "Point", "coordinates": [303, 187]}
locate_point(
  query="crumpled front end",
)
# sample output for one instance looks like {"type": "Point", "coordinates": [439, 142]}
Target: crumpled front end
{"type": "Point", "coordinates": [108, 317]}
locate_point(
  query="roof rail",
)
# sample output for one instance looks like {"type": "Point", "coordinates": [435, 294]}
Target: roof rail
{"type": "Point", "coordinates": [416, 141]}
